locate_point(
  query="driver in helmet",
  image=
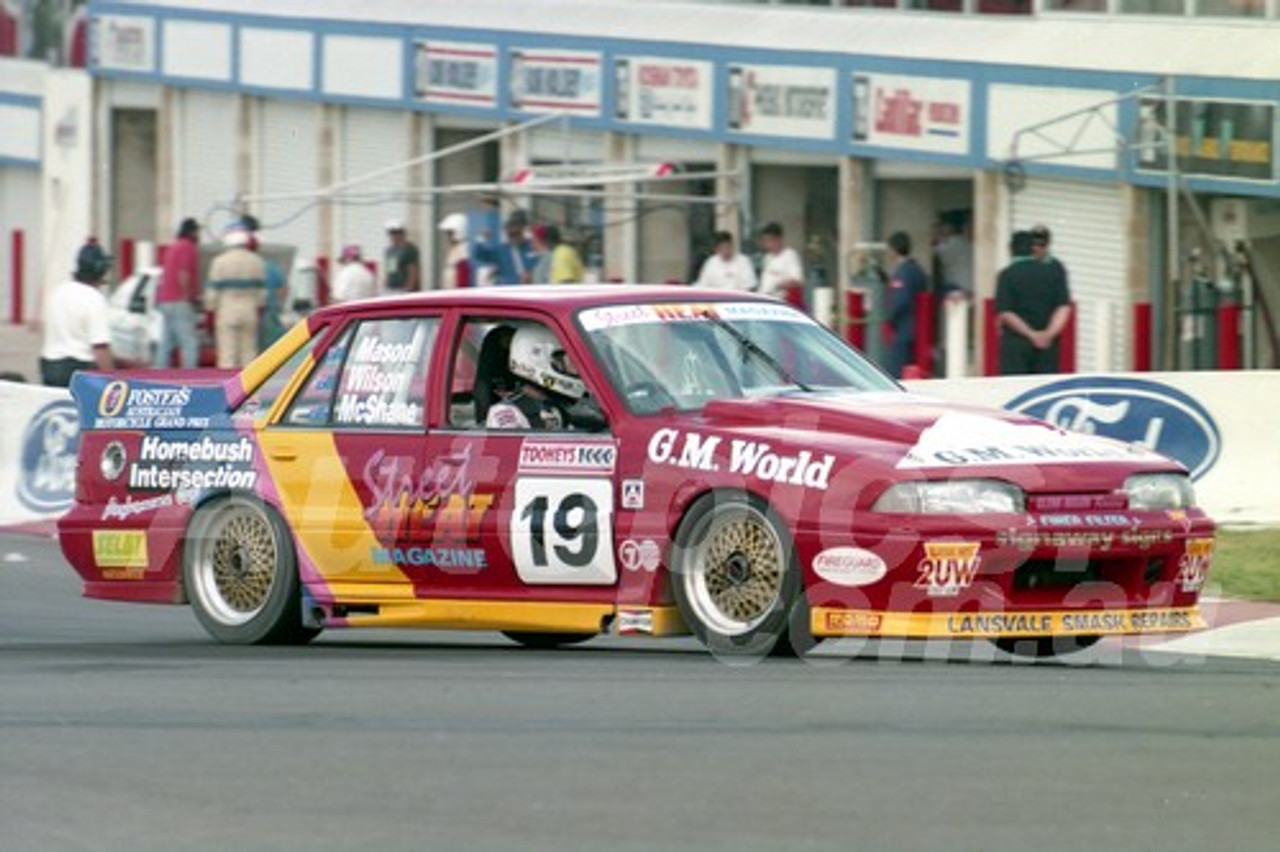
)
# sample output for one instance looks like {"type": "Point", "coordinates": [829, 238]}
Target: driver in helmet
{"type": "Point", "coordinates": [545, 385]}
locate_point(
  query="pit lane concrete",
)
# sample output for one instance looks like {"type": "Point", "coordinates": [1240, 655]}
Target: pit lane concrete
{"type": "Point", "coordinates": [123, 727]}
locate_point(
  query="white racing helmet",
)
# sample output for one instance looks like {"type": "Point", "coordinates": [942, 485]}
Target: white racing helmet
{"type": "Point", "coordinates": [538, 357]}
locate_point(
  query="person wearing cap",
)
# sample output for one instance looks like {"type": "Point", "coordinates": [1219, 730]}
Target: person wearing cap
{"type": "Point", "coordinates": [401, 261]}
{"type": "Point", "coordinates": [1032, 309]}
{"type": "Point", "coordinates": [457, 259]}
{"type": "Point", "coordinates": [236, 292]}
{"type": "Point", "coordinates": [76, 336]}
{"type": "Point", "coordinates": [178, 298]}
{"type": "Point", "coordinates": [354, 280]}
{"type": "Point", "coordinates": [513, 260]}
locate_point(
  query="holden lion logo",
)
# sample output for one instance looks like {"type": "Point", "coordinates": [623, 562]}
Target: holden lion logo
{"type": "Point", "coordinates": [1157, 416]}
{"type": "Point", "coordinates": [47, 480]}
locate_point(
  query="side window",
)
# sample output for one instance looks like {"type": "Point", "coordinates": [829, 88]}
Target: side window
{"type": "Point", "coordinates": [373, 378]}
{"type": "Point", "coordinates": [516, 374]}
{"type": "Point", "coordinates": [265, 395]}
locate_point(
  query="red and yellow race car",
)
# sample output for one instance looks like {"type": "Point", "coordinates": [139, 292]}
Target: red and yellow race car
{"type": "Point", "coordinates": [555, 463]}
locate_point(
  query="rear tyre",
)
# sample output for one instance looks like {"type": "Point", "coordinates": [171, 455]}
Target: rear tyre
{"type": "Point", "coordinates": [734, 575]}
{"type": "Point", "coordinates": [1045, 647]}
{"type": "Point", "coordinates": [546, 641]}
{"type": "Point", "coordinates": [241, 574]}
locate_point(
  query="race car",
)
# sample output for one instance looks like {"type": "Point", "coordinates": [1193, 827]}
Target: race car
{"type": "Point", "coordinates": [556, 463]}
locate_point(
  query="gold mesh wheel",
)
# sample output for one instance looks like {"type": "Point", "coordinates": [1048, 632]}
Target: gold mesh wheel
{"type": "Point", "coordinates": [235, 561]}
{"type": "Point", "coordinates": [733, 578]}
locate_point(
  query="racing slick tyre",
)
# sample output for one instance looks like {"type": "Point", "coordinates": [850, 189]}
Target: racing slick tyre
{"type": "Point", "coordinates": [545, 641]}
{"type": "Point", "coordinates": [734, 575]}
{"type": "Point", "coordinates": [241, 575]}
{"type": "Point", "coordinates": [1045, 647]}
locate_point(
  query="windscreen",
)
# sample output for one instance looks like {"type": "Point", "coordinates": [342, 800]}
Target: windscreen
{"type": "Point", "coordinates": [687, 354]}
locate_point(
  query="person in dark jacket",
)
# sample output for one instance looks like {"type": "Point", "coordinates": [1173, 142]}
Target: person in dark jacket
{"type": "Point", "coordinates": [906, 281]}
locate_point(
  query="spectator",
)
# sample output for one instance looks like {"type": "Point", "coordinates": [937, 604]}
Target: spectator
{"type": "Point", "coordinates": [782, 271]}
{"type": "Point", "coordinates": [75, 321]}
{"type": "Point", "coordinates": [954, 255]}
{"type": "Point", "coordinates": [457, 259]}
{"type": "Point", "coordinates": [1032, 309]}
{"type": "Point", "coordinates": [514, 259]}
{"type": "Point", "coordinates": [727, 269]}
{"type": "Point", "coordinates": [542, 272]}
{"type": "Point", "coordinates": [1040, 240]}
{"type": "Point", "coordinates": [236, 291]}
{"type": "Point", "coordinates": [178, 298]}
{"type": "Point", "coordinates": [906, 281]}
{"type": "Point", "coordinates": [271, 322]}
{"type": "Point", "coordinates": [354, 280]}
{"type": "Point", "coordinates": [566, 264]}
{"type": "Point", "coordinates": [401, 261]}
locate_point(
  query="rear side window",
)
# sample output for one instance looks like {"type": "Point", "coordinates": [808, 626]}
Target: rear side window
{"type": "Point", "coordinates": [374, 377]}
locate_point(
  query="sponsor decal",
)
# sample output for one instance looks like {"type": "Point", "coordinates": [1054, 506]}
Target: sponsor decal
{"type": "Point", "coordinates": [948, 567]}
{"type": "Point", "coordinates": [1129, 539]}
{"type": "Point", "coordinates": [692, 451]}
{"type": "Point", "coordinates": [120, 510]}
{"type": "Point", "coordinates": [849, 566]}
{"type": "Point", "coordinates": [47, 478]}
{"type": "Point", "coordinates": [640, 555]}
{"type": "Point", "coordinates": [440, 498]}
{"type": "Point", "coordinates": [835, 622]}
{"type": "Point", "coordinates": [120, 548]}
{"type": "Point", "coordinates": [1138, 411]}
{"type": "Point", "coordinates": [1194, 564]}
{"type": "Point", "coordinates": [122, 405]}
{"type": "Point", "coordinates": [852, 622]}
{"type": "Point", "coordinates": [633, 493]}
{"type": "Point", "coordinates": [540, 456]}
{"type": "Point", "coordinates": [168, 464]}
{"type": "Point", "coordinates": [632, 621]}
{"type": "Point", "coordinates": [452, 560]}
{"type": "Point", "coordinates": [597, 319]}
{"type": "Point", "coordinates": [969, 440]}
{"type": "Point", "coordinates": [1101, 520]}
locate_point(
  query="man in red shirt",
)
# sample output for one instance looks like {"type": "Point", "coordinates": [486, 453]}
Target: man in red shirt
{"type": "Point", "coordinates": [178, 297]}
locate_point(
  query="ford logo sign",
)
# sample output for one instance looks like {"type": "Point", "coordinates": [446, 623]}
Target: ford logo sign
{"type": "Point", "coordinates": [1131, 410]}
{"type": "Point", "coordinates": [47, 480]}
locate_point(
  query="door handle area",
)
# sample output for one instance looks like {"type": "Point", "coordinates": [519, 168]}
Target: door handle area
{"type": "Point", "coordinates": [284, 453]}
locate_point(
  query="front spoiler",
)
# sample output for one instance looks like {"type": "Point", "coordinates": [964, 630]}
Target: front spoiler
{"type": "Point", "coordinates": [827, 621]}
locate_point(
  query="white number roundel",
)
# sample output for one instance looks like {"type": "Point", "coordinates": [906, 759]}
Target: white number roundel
{"type": "Point", "coordinates": [562, 532]}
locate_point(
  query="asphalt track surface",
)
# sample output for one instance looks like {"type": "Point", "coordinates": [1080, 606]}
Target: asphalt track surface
{"type": "Point", "coordinates": [123, 727]}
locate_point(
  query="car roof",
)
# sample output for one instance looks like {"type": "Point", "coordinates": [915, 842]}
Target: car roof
{"type": "Point", "coordinates": [558, 299]}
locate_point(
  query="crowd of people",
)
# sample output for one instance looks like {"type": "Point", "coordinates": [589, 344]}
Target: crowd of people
{"type": "Point", "coordinates": [246, 292]}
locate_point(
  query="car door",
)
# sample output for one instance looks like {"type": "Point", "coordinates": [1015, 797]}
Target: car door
{"type": "Point", "coordinates": [541, 497]}
{"type": "Point", "coordinates": [346, 454]}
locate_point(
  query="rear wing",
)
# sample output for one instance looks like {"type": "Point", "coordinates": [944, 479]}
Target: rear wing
{"type": "Point", "coordinates": [172, 400]}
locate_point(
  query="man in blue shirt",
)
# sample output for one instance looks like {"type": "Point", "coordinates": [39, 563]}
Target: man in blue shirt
{"type": "Point", "coordinates": [906, 281]}
{"type": "Point", "coordinates": [514, 259]}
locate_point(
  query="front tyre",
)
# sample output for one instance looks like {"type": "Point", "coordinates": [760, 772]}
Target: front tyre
{"type": "Point", "coordinates": [241, 575]}
{"type": "Point", "coordinates": [734, 574]}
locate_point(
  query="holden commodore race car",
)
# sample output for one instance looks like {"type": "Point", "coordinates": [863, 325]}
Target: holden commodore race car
{"type": "Point", "coordinates": [555, 463]}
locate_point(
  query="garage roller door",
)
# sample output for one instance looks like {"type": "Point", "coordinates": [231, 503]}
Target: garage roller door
{"type": "Point", "coordinates": [206, 158]}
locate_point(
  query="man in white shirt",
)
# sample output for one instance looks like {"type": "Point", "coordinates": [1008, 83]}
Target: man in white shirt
{"type": "Point", "coordinates": [354, 280]}
{"type": "Point", "coordinates": [782, 271]}
{"type": "Point", "coordinates": [76, 336]}
{"type": "Point", "coordinates": [727, 269]}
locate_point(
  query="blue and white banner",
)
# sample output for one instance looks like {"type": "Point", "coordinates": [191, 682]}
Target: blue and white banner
{"type": "Point", "coordinates": [39, 439]}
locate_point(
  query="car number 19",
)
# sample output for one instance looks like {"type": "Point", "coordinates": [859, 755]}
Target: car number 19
{"type": "Point", "coordinates": [562, 531]}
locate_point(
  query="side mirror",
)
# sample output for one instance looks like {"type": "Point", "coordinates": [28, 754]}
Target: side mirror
{"type": "Point", "coordinates": [586, 416]}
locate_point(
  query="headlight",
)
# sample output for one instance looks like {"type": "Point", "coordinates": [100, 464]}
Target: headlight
{"type": "Point", "coordinates": [1149, 492]}
{"type": "Point", "coordinates": [112, 462]}
{"type": "Point", "coordinates": [953, 497]}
